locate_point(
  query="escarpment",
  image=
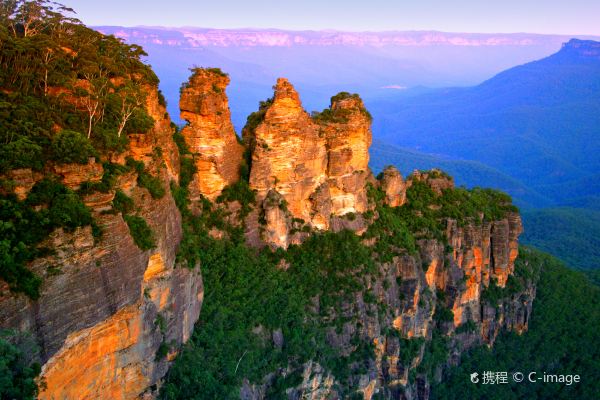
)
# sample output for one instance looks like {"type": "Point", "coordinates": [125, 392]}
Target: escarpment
{"type": "Point", "coordinates": [368, 286]}
{"type": "Point", "coordinates": [110, 315]}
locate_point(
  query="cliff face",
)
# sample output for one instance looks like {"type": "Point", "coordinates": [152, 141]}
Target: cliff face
{"type": "Point", "coordinates": [209, 134]}
{"type": "Point", "coordinates": [318, 165]}
{"type": "Point", "coordinates": [107, 307]}
{"type": "Point", "coordinates": [433, 296]}
{"type": "Point", "coordinates": [289, 153]}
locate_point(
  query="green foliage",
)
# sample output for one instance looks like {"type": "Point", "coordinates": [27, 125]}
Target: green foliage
{"type": "Point", "coordinates": [55, 72]}
{"type": "Point", "coordinates": [240, 192]}
{"type": "Point", "coordinates": [122, 203]}
{"type": "Point", "coordinates": [180, 142]}
{"type": "Point", "coordinates": [108, 181]}
{"type": "Point", "coordinates": [187, 171]}
{"type": "Point", "coordinates": [162, 351]}
{"type": "Point", "coordinates": [19, 366]}
{"type": "Point", "coordinates": [561, 340]}
{"type": "Point", "coordinates": [216, 71]}
{"type": "Point", "coordinates": [443, 314]}
{"type": "Point", "coordinates": [409, 349]}
{"type": "Point", "coordinates": [571, 234]}
{"type": "Point", "coordinates": [71, 147]}
{"type": "Point", "coordinates": [24, 224]}
{"type": "Point", "coordinates": [21, 153]}
{"type": "Point", "coordinates": [434, 355]}
{"type": "Point", "coordinates": [340, 115]}
{"type": "Point", "coordinates": [140, 232]}
{"type": "Point", "coordinates": [146, 180]}
{"type": "Point", "coordinates": [468, 326]}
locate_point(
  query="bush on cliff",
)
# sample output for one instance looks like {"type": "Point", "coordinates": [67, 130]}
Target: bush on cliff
{"type": "Point", "coordinates": [141, 232]}
{"type": "Point", "coordinates": [71, 147]}
{"type": "Point", "coordinates": [24, 224]}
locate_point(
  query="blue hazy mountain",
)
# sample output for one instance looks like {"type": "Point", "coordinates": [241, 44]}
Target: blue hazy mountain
{"type": "Point", "coordinates": [465, 173]}
{"type": "Point", "coordinates": [538, 123]}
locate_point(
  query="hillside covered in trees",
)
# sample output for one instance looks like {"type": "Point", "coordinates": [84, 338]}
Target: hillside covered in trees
{"type": "Point", "coordinates": [67, 94]}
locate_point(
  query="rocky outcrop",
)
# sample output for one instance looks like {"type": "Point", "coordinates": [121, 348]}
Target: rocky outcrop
{"type": "Point", "coordinates": [394, 187]}
{"type": "Point", "coordinates": [209, 133]}
{"type": "Point", "coordinates": [289, 153]}
{"type": "Point", "coordinates": [108, 310]}
{"type": "Point", "coordinates": [319, 165]}
{"type": "Point", "coordinates": [415, 298]}
{"type": "Point", "coordinates": [437, 180]}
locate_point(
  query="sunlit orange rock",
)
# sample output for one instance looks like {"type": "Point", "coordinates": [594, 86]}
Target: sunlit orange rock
{"type": "Point", "coordinates": [209, 133]}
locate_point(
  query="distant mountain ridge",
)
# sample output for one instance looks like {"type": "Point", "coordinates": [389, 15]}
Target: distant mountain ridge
{"type": "Point", "coordinates": [538, 123]}
{"type": "Point", "coordinates": [253, 37]}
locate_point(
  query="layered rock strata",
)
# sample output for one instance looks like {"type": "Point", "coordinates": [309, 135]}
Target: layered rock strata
{"type": "Point", "coordinates": [209, 133]}
{"type": "Point", "coordinates": [319, 164]}
{"type": "Point", "coordinates": [106, 307]}
{"type": "Point", "coordinates": [410, 292]}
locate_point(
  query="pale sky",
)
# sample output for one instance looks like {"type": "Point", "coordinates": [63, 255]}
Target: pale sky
{"type": "Point", "coordinates": [485, 16]}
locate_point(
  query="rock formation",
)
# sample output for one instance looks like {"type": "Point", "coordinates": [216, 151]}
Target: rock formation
{"type": "Point", "coordinates": [107, 307]}
{"type": "Point", "coordinates": [209, 133]}
{"type": "Point", "coordinates": [113, 316]}
{"type": "Point", "coordinates": [288, 152]}
{"type": "Point", "coordinates": [414, 289]}
{"type": "Point", "coordinates": [319, 165]}
{"type": "Point", "coordinates": [394, 187]}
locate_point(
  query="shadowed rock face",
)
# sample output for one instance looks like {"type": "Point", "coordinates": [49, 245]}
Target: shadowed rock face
{"type": "Point", "coordinates": [209, 134]}
{"type": "Point", "coordinates": [96, 317]}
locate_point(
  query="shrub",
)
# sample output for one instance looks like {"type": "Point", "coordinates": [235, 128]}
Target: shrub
{"type": "Point", "coordinates": [71, 147]}
{"type": "Point", "coordinates": [68, 211]}
{"type": "Point", "coordinates": [140, 232]}
{"type": "Point", "coordinates": [241, 192]}
{"type": "Point", "coordinates": [180, 142]}
{"type": "Point", "coordinates": [186, 171]}
{"type": "Point", "coordinates": [443, 314]}
{"type": "Point", "coordinates": [18, 366]}
{"type": "Point", "coordinates": [150, 182]}
{"type": "Point", "coordinates": [122, 203]}
{"type": "Point", "coordinates": [21, 153]}
{"type": "Point", "coordinates": [140, 122]}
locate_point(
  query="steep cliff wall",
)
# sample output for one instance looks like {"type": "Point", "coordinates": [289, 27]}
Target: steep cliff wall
{"type": "Point", "coordinates": [418, 303]}
{"type": "Point", "coordinates": [111, 316]}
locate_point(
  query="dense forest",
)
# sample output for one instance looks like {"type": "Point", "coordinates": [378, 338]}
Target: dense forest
{"type": "Point", "coordinates": [67, 94]}
{"type": "Point", "coordinates": [562, 339]}
{"type": "Point", "coordinates": [571, 234]}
